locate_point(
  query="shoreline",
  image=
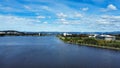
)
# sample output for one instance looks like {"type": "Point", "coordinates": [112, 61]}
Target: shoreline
{"type": "Point", "coordinates": [96, 46]}
{"type": "Point", "coordinates": [90, 45]}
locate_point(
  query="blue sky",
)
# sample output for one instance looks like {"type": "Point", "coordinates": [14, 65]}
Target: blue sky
{"type": "Point", "coordinates": [60, 15]}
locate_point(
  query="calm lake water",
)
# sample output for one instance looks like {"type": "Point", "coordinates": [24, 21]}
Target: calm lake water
{"type": "Point", "coordinates": [50, 52]}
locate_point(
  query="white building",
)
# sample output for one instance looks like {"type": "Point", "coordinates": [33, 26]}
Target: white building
{"type": "Point", "coordinates": [93, 36]}
{"type": "Point", "coordinates": [104, 37]}
{"type": "Point", "coordinates": [66, 34]}
{"type": "Point", "coordinates": [2, 32]}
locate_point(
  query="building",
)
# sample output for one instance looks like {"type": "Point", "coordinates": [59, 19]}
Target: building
{"type": "Point", "coordinates": [66, 34]}
{"type": "Point", "coordinates": [106, 37]}
{"type": "Point", "coordinates": [2, 32]}
{"type": "Point", "coordinates": [93, 36]}
{"type": "Point", "coordinates": [103, 37]}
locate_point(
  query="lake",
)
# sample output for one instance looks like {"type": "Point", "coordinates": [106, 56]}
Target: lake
{"type": "Point", "coordinates": [50, 52]}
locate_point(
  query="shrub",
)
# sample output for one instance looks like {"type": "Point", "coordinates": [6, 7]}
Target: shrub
{"type": "Point", "coordinates": [90, 41]}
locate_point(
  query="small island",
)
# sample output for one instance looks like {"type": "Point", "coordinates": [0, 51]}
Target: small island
{"type": "Point", "coordinates": [100, 41]}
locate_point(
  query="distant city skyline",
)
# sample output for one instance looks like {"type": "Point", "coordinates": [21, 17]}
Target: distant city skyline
{"type": "Point", "coordinates": [60, 15]}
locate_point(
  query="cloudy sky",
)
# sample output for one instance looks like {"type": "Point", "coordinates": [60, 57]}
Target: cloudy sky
{"type": "Point", "coordinates": [60, 15]}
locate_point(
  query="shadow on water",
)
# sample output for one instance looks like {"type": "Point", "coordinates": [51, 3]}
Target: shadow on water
{"type": "Point", "coordinates": [50, 52]}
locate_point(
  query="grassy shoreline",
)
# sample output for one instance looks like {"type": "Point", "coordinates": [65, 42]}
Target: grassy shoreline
{"type": "Point", "coordinates": [86, 44]}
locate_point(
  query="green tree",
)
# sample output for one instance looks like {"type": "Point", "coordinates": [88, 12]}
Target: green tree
{"type": "Point", "coordinates": [90, 41]}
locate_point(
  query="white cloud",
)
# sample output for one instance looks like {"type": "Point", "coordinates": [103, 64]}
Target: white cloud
{"type": "Point", "coordinates": [85, 9]}
{"type": "Point", "coordinates": [62, 18]}
{"type": "Point", "coordinates": [112, 7]}
{"type": "Point", "coordinates": [64, 21]}
{"type": "Point", "coordinates": [14, 21]}
{"type": "Point", "coordinates": [74, 18]}
{"type": "Point", "coordinates": [45, 22]}
{"type": "Point", "coordinates": [41, 17]}
{"type": "Point", "coordinates": [46, 8]}
{"type": "Point", "coordinates": [27, 7]}
{"type": "Point", "coordinates": [65, 15]}
{"type": "Point", "coordinates": [109, 22]}
{"type": "Point", "coordinates": [93, 22]}
{"type": "Point", "coordinates": [78, 15]}
{"type": "Point", "coordinates": [21, 23]}
{"type": "Point", "coordinates": [61, 15]}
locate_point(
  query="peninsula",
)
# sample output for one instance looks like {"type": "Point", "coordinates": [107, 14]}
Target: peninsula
{"type": "Point", "coordinates": [100, 41]}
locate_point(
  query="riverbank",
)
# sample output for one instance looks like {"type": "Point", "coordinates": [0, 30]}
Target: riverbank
{"type": "Point", "coordinates": [114, 45]}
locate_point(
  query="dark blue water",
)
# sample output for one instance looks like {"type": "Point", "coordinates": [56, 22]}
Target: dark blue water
{"type": "Point", "coordinates": [50, 52]}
